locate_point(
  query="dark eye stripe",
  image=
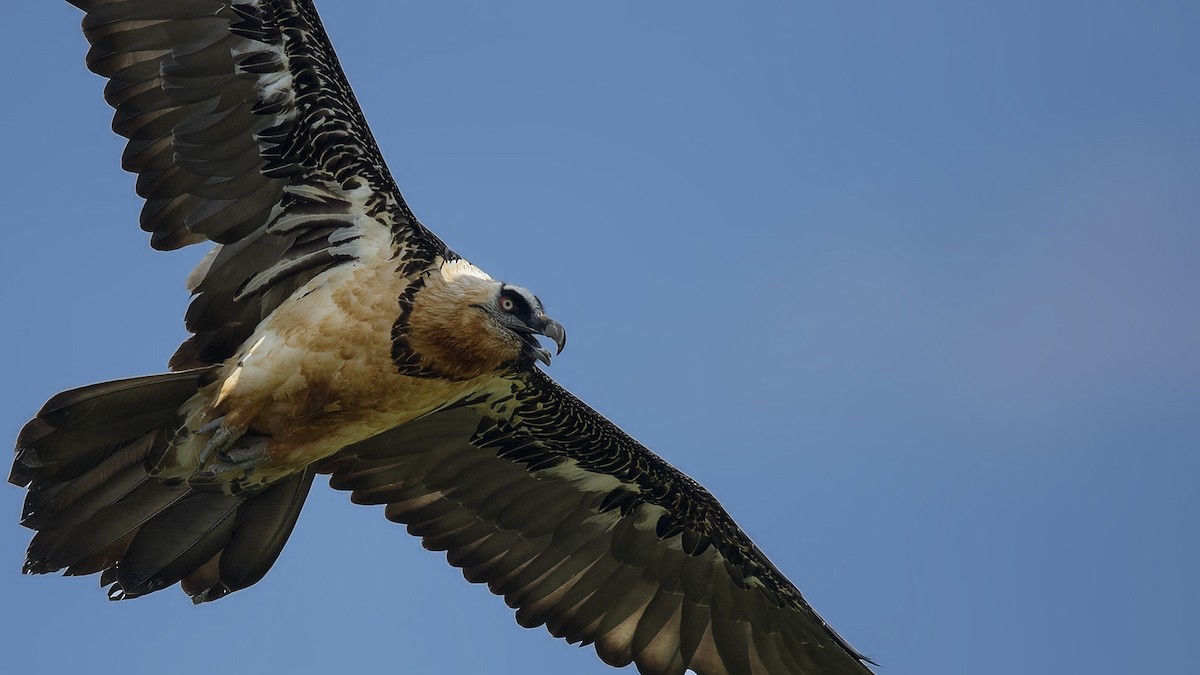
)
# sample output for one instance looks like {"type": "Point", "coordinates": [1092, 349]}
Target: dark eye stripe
{"type": "Point", "coordinates": [520, 304]}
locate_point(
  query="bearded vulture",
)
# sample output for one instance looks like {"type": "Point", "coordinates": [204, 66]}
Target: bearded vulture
{"type": "Point", "coordinates": [332, 333]}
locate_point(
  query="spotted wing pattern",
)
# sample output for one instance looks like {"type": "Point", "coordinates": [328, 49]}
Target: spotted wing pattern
{"type": "Point", "coordinates": [584, 530]}
{"type": "Point", "coordinates": [243, 131]}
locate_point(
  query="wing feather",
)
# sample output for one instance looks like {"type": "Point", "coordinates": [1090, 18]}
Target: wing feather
{"type": "Point", "coordinates": [585, 531]}
{"type": "Point", "coordinates": [238, 117]}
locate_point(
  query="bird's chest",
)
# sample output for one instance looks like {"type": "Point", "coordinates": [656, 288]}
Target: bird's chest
{"type": "Point", "coordinates": [318, 374]}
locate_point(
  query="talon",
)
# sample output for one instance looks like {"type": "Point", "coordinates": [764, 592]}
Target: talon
{"type": "Point", "coordinates": [221, 439]}
{"type": "Point", "coordinates": [228, 449]}
{"type": "Point", "coordinates": [211, 426]}
{"type": "Point", "coordinates": [241, 453]}
{"type": "Point", "coordinates": [216, 470]}
{"type": "Point", "coordinates": [257, 451]}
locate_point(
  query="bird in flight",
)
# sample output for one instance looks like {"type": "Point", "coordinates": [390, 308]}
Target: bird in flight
{"type": "Point", "coordinates": [332, 333]}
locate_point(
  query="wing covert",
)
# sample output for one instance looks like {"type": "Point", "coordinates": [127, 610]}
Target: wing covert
{"type": "Point", "coordinates": [244, 131]}
{"type": "Point", "coordinates": [584, 530]}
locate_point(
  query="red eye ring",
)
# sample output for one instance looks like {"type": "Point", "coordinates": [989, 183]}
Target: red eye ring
{"type": "Point", "coordinates": [507, 304]}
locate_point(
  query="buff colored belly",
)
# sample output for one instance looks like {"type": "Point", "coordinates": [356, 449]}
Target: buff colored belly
{"type": "Point", "coordinates": [318, 374]}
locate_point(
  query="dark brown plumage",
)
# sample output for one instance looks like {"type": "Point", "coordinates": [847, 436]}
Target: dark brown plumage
{"type": "Point", "coordinates": [333, 333]}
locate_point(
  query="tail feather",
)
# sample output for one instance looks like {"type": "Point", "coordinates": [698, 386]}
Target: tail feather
{"type": "Point", "coordinates": [97, 406]}
{"type": "Point", "coordinates": [182, 538]}
{"type": "Point", "coordinates": [55, 505]}
{"type": "Point", "coordinates": [97, 508]}
{"type": "Point", "coordinates": [53, 550]}
{"type": "Point", "coordinates": [101, 561]}
{"type": "Point", "coordinates": [203, 583]}
{"type": "Point", "coordinates": [266, 523]}
{"type": "Point", "coordinates": [77, 428]}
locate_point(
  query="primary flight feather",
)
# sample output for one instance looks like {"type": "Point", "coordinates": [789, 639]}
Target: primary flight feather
{"type": "Point", "coordinates": [332, 333]}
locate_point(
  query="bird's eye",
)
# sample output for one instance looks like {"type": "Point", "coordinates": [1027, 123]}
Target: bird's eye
{"type": "Point", "coordinates": [507, 304]}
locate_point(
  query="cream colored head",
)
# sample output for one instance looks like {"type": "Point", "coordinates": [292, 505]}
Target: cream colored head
{"type": "Point", "coordinates": [465, 324]}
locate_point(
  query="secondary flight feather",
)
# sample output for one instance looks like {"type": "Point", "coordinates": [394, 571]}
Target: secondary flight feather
{"type": "Point", "coordinates": [333, 333]}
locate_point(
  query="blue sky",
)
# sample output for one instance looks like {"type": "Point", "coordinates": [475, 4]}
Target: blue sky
{"type": "Point", "coordinates": [910, 287]}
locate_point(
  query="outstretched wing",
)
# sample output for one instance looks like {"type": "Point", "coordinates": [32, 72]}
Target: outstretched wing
{"type": "Point", "coordinates": [243, 131]}
{"type": "Point", "coordinates": [584, 530]}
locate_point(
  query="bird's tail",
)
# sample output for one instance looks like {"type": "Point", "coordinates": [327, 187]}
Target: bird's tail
{"type": "Point", "coordinates": [96, 507]}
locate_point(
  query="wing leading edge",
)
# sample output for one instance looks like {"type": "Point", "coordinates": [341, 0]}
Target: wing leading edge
{"type": "Point", "coordinates": [244, 131]}
{"type": "Point", "coordinates": [584, 530]}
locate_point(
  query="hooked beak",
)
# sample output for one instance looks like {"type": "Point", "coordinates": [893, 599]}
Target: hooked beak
{"type": "Point", "coordinates": [551, 329]}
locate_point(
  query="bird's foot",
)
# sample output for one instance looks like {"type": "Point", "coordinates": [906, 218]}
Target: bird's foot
{"type": "Point", "coordinates": [228, 449]}
{"type": "Point", "coordinates": [245, 456]}
{"type": "Point", "coordinates": [222, 437]}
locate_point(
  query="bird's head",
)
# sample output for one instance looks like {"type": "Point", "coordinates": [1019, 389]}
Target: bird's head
{"type": "Point", "coordinates": [514, 312]}
{"type": "Point", "coordinates": [464, 324]}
